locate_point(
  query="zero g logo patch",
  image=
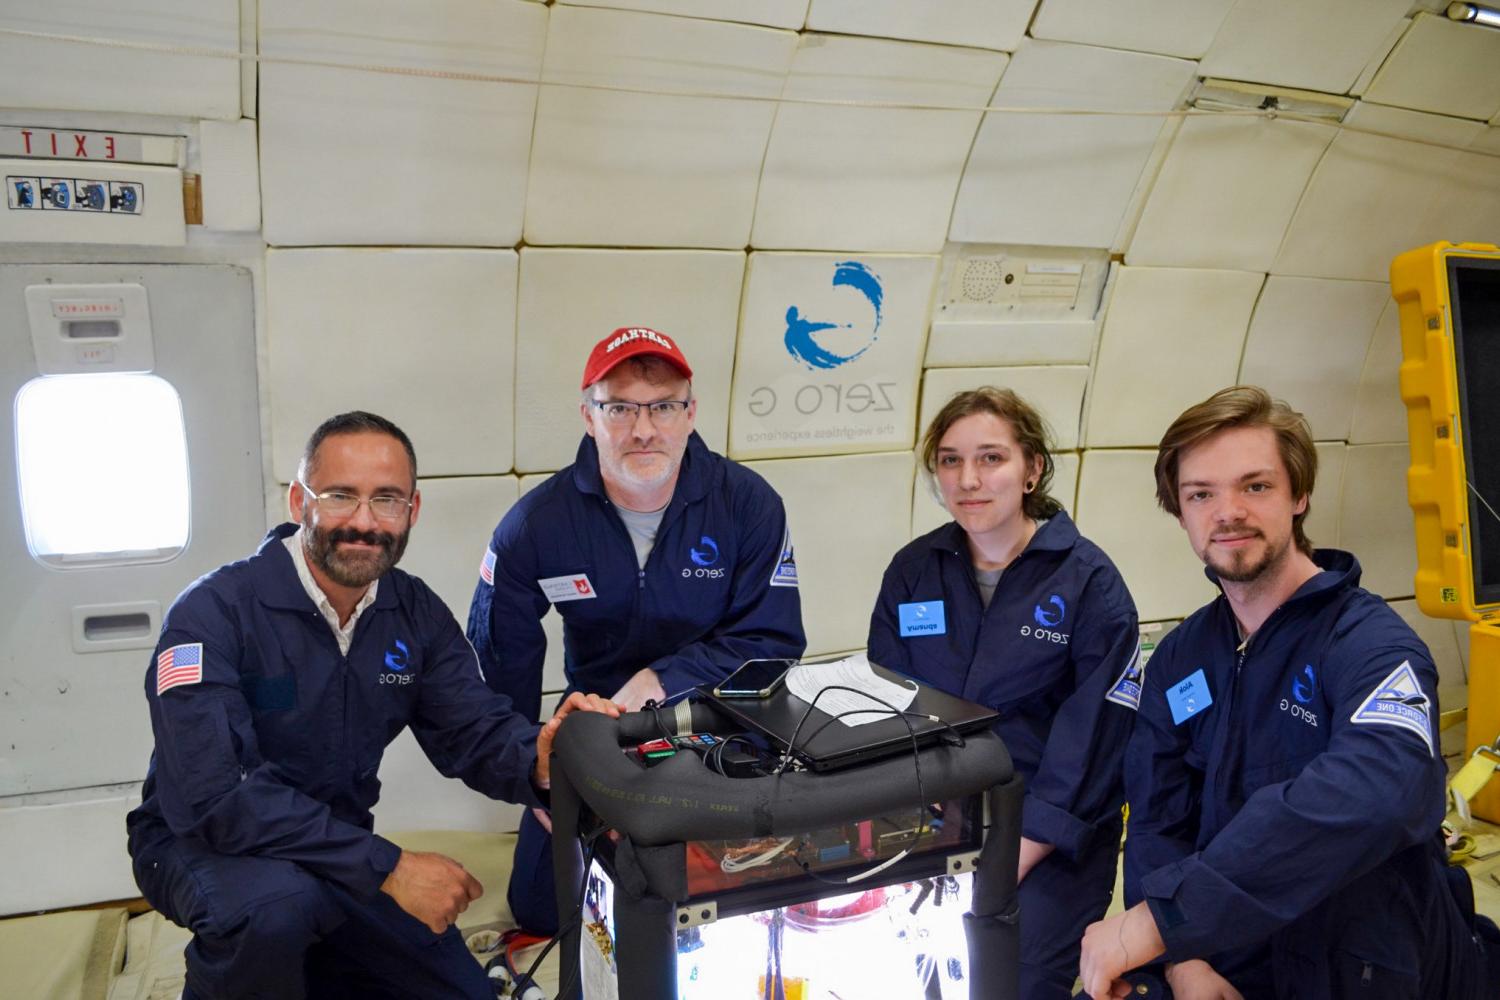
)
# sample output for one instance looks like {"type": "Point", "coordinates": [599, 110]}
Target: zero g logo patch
{"type": "Point", "coordinates": [1050, 615]}
{"type": "Point", "coordinates": [807, 349]}
{"type": "Point", "coordinates": [1304, 684]}
{"type": "Point", "coordinates": [397, 659]}
{"type": "Point", "coordinates": [703, 555]}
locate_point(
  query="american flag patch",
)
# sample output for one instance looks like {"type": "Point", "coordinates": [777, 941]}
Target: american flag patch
{"type": "Point", "coordinates": [487, 567]}
{"type": "Point", "coordinates": [179, 665]}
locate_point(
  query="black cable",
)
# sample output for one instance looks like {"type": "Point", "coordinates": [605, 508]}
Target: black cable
{"type": "Point", "coordinates": [529, 978]}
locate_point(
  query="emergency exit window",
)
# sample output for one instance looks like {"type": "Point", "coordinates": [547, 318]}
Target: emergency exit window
{"type": "Point", "coordinates": [103, 470]}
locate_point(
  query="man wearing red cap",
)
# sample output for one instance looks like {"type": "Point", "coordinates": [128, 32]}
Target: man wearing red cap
{"type": "Point", "coordinates": [669, 564]}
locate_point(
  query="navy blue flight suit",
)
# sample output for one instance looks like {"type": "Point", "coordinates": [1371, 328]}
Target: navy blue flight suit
{"type": "Point", "coordinates": [1057, 653]}
{"type": "Point", "coordinates": [1285, 798]}
{"type": "Point", "coordinates": [719, 587]}
{"type": "Point", "coordinates": [255, 826]}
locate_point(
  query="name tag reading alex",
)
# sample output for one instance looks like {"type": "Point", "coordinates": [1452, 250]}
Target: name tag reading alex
{"type": "Point", "coordinates": [925, 618]}
{"type": "Point", "coordinates": [1189, 696]}
{"type": "Point", "coordinates": [567, 588]}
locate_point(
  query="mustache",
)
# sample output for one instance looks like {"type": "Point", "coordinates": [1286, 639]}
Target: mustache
{"type": "Point", "coordinates": [384, 539]}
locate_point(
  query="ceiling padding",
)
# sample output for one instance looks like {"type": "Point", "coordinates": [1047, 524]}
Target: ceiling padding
{"type": "Point", "coordinates": [1226, 192]}
{"type": "Point", "coordinates": [1442, 66]}
{"type": "Point", "coordinates": [1372, 195]}
{"type": "Point", "coordinates": [989, 24]}
{"type": "Point", "coordinates": [1183, 28]}
{"type": "Point", "coordinates": [673, 162]}
{"type": "Point", "coordinates": [355, 156]}
{"type": "Point", "coordinates": [1314, 44]}
{"type": "Point", "coordinates": [1190, 323]}
{"type": "Point", "coordinates": [870, 178]}
{"type": "Point", "coordinates": [771, 13]}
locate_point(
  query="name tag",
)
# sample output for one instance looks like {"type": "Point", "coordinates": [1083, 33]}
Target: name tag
{"type": "Point", "coordinates": [1189, 696]}
{"type": "Point", "coordinates": [925, 618]}
{"type": "Point", "coordinates": [567, 588]}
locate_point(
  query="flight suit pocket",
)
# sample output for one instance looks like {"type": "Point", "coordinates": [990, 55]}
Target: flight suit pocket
{"type": "Point", "coordinates": [205, 751]}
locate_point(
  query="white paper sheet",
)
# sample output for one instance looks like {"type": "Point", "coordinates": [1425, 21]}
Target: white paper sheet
{"type": "Point", "coordinates": [806, 680]}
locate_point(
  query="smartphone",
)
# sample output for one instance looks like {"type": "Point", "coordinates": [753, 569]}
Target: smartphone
{"type": "Point", "coordinates": [754, 679]}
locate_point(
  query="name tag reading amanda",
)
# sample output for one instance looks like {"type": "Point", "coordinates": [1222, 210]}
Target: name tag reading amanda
{"type": "Point", "coordinates": [567, 588]}
{"type": "Point", "coordinates": [921, 618]}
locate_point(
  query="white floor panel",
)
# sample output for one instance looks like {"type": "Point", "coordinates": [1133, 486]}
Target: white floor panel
{"type": "Point", "coordinates": [1375, 522]}
{"type": "Point", "coordinates": [1226, 192]}
{"type": "Point", "coordinates": [650, 169]}
{"type": "Point", "coordinates": [1054, 392]}
{"type": "Point", "coordinates": [444, 323]}
{"type": "Point", "coordinates": [990, 24]}
{"type": "Point", "coordinates": [351, 156]}
{"type": "Point", "coordinates": [1117, 511]}
{"type": "Point", "coordinates": [1065, 179]}
{"type": "Point", "coordinates": [54, 74]}
{"type": "Point", "coordinates": [849, 514]}
{"type": "Point", "coordinates": [1379, 414]}
{"type": "Point", "coordinates": [928, 512]}
{"type": "Point", "coordinates": [1312, 44]}
{"type": "Point", "coordinates": [1183, 28]}
{"type": "Point", "coordinates": [570, 299]}
{"type": "Point", "coordinates": [830, 354]}
{"type": "Point", "coordinates": [771, 13]}
{"type": "Point", "coordinates": [1371, 196]}
{"type": "Point", "coordinates": [1157, 319]}
{"type": "Point", "coordinates": [72, 853]}
{"type": "Point", "coordinates": [452, 532]}
{"type": "Point", "coordinates": [870, 178]}
{"type": "Point", "coordinates": [1307, 345]}
{"type": "Point", "coordinates": [1442, 66]}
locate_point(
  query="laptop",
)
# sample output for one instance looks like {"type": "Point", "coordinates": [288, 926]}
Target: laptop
{"type": "Point", "coordinates": [824, 744]}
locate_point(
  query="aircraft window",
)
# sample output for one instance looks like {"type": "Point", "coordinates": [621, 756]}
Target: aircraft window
{"type": "Point", "coordinates": [103, 469]}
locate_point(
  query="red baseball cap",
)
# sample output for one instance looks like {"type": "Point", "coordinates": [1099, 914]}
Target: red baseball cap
{"type": "Point", "coordinates": [630, 342]}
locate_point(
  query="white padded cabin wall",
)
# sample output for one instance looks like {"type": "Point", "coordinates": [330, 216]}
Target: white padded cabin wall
{"type": "Point", "coordinates": [1226, 193]}
{"type": "Point", "coordinates": [990, 24]}
{"type": "Point", "coordinates": [570, 299]}
{"type": "Point", "coordinates": [1065, 179]}
{"type": "Point", "coordinates": [1171, 338]}
{"type": "Point", "coordinates": [351, 156]}
{"type": "Point", "coordinates": [651, 169]}
{"type": "Point", "coordinates": [1327, 326]}
{"type": "Point", "coordinates": [1371, 196]}
{"type": "Point", "coordinates": [848, 516]}
{"type": "Point", "coordinates": [1055, 391]}
{"type": "Point", "coordinates": [771, 13]}
{"type": "Point", "coordinates": [1310, 44]}
{"type": "Point", "coordinates": [859, 178]}
{"type": "Point", "coordinates": [1444, 67]}
{"type": "Point", "coordinates": [41, 73]}
{"type": "Point", "coordinates": [1379, 414]}
{"type": "Point", "coordinates": [1374, 518]}
{"type": "Point", "coordinates": [1117, 510]}
{"type": "Point", "coordinates": [1183, 28]}
{"type": "Point", "coordinates": [393, 331]}
{"type": "Point", "coordinates": [829, 354]}
{"type": "Point", "coordinates": [1324, 508]}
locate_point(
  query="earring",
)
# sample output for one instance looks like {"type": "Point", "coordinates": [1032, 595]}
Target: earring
{"type": "Point", "coordinates": [1030, 486]}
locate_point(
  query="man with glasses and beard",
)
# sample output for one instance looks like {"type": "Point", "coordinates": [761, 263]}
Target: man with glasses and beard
{"type": "Point", "coordinates": [669, 564]}
{"type": "Point", "coordinates": [1284, 776]}
{"type": "Point", "coordinates": [276, 685]}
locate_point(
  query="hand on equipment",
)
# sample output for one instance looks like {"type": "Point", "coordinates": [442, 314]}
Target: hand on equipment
{"type": "Point", "coordinates": [575, 702]}
{"type": "Point", "coordinates": [642, 687]}
{"type": "Point", "coordinates": [1196, 980]}
{"type": "Point", "coordinates": [431, 887]}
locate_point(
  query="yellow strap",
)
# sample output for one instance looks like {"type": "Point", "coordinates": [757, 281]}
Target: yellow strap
{"type": "Point", "coordinates": [1472, 777]}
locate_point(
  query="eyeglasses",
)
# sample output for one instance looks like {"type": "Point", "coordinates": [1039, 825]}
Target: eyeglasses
{"type": "Point", "coordinates": [337, 503]}
{"type": "Point", "coordinates": [663, 412]}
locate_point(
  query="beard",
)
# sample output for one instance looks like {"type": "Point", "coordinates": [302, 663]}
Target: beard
{"type": "Point", "coordinates": [353, 569]}
{"type": "Point", "coordinates": [1244, 567]}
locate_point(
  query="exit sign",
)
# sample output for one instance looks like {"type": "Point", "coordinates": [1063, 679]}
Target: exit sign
{"type": "Point", "coordinates": [75, 144]}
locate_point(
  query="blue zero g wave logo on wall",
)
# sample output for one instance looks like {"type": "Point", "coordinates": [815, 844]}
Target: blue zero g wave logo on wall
{"type": "Point", "coordinates": [800, 342]}
{"type": "Point", "coordinates": [1050, 616]}
{"type": "Point", "coordinates": [706, 556]}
